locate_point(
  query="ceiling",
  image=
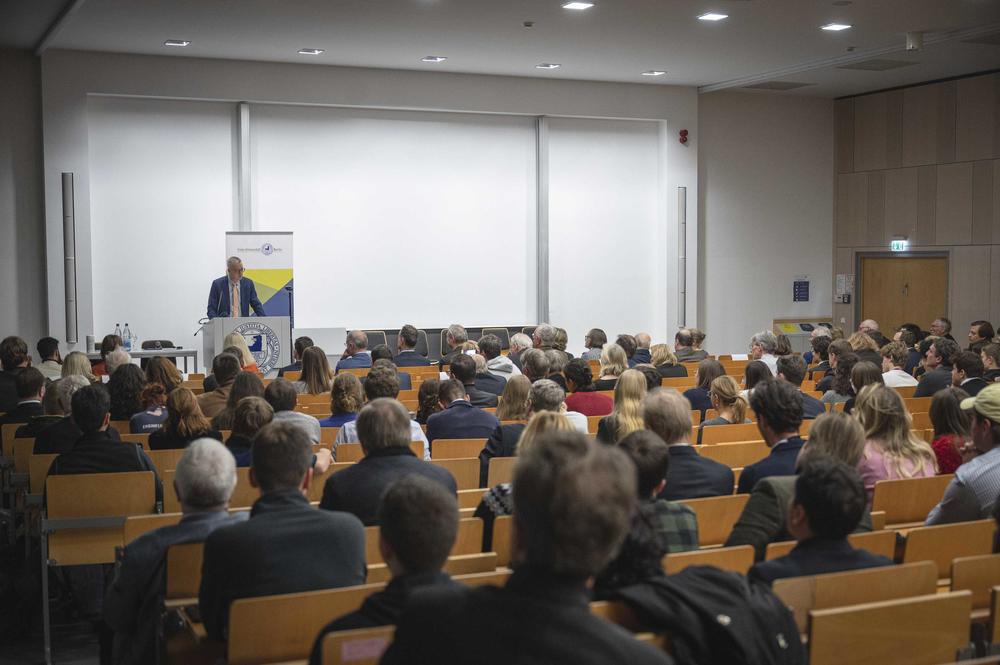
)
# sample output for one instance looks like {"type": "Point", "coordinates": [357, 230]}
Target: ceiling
{"type": "Point", "coordinates": [616, 40]}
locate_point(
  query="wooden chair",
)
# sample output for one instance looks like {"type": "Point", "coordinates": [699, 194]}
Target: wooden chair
{"type": "Point", "coordinates": [352, 452]}
{"type": "Point", "coordinates": [922, 421]}
{"type": "Point", "coordinates": [38, 470]}
{"type": "Point", "coordinates": [465, 471]}
{"type": "Point", "coordinates": [909, 500]}
{"type": "Point", "coordinates": [854, 587]}
{"type": "Point", "coordinates": [22, 450]}
{"type": "Point", "coordinates": [364, 646]}
{"type": "Point", "coordinates": [680, 382]}
{"type": "Point", "coordinates": [469, 540]}
{"type": "Point", "coordinates": [165, 460]}
{"type": "Point", "coordinates": [292, 375]}
{"type": "Point", "coordinates": [137, 525]}
{"type": "Point", "coordinates": [359, 372]}
{"type": "Point", "coordinates": [736, 455]}
{"type": "Point", "coordinates": [736, 559]}
{"type": "Point", "coordinates": [618, 613]}
{"type": "Point", "coordinates": [727, 433]}
{"type": "Point", "coordinates": [942, 544]}
{"type": "Point", "coordinates": [592, 422]}
{"type": "Point", "coordinates": [121, 425]}
{"type": "Point", "coordinates": [924, 630]}
{"type": "Point", "coordinates": [906, 392]}
{"type": "Point", "coordinates": [995, 616]}
{"type": "Point", "coordinates": [470, 498]}
{"type": "Point", "coordinates": [502, 539]}
{"type": "Point", "coordinates": [501, 470]}
{"type": "Point", "coordinates": [978, 574]}
{"type": "Point", "coordinates": [184, 571]}
{"type": "Point", "coordinates": [7, 434]}
{"type": "Point", "coordinates": [918, 404]}
{"type": "Point", "coordinates": [460, 564]}
{"type": "Point", "coordinates": [327, 435]}
{"type": "Point", "coordinates": [456, 448]}
{"type": "Point", "coordinates": [876, 542]}
{"type": "Point", "coordinates": [716, 516]}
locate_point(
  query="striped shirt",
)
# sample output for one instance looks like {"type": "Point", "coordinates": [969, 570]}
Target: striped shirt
{"type": "Point", "coordinates": [972, 492]}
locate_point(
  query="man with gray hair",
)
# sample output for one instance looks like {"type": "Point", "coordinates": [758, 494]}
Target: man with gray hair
{"type": "Point", "coordinates": [116, 359]}
{"type": "Point", "coordinates": [534, 364]}
{"type": "Point", "coordinates": [519, 342]}
{"type": "Point", "coordinates": [61, 435]}
{"type": "Point", "coordinates": [454, 336]}
{"type": "Point", "coordinates": [544, 337]}
{"type": "Point", "coordinates": [356, 353]}
{"type": "Point", "coordinates": [684, 347]}
{"type": "Point", "coordinates": [642, 355]}
{"type": "Point", "coordinates": [204, 482]}
{"type": "Point", "coordinates": [762, 347]}
{"type": "Point", "coordinates": [233, 294]}
{"type": "Point", "coordinates": [870, 328]}
{"type": "Point", "coordinates": [384, 431]}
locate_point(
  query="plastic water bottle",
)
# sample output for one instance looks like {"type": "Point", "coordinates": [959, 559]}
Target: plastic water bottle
{"type": "Point", "coordinates": [118, 330]}
{"type": "Point", "coordinates": [127, 338]}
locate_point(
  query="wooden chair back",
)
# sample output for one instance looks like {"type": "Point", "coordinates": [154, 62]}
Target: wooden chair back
{"type": "Point", "coordinates": [908, 500]}
{"type": "Point", "coordinates": [469, 540]}
{"type": "Point", "coordinates": [38, 469]}
{"type": "Point", "coordinates": [292, 374]}
{"type": "Point", "coordinates": [735, 559]}
{"type": "Point", "coordinates": [925, 630]}
{"type": "Point", "coordinates": [736, 455]}
{"type": "Point", "coordinates": [352, 452]}
{"type": "Point", "coordinates": [592, 422]}
{"type": "Point", "coordinates": [456, 448]}
{"type": "Point", "coordinates": [465, 471]}
{"type": "Point", "coordinates": [364, 646]}
{"type": "Point", "coordinates": [7, 431]}
{"type": "Point", "coordinates": [918, 404]}
{"type": "Point", "coordinates": [876, 542]}
{"type": "Point", "coordinates": [470, 498]}
{"type": "Point", "coordinates": [502, 539]}
{"type": "Point", "coordinates": [716, 516]}
{"type": "Point", "coordinates": [942, 544]}
{"type": "Point", "coordinates": [978, 574]}
{"type": "Point", "coordinates": [727, 433]}
{"type": "Point", "coordinates": [995, 615]}
{"type": "Point", "coordinates": [165, 460]}
{"type": "Point", "coordinates": [921, 420]}
{"type": "Point", "coordinates": [137, 525]}
{"type": "Point", "coordinates": [618, 613]}
{"type": "Point", "coordinates": [22, 449]}
{"type": "Point", "coordinates": [121, 425]}
{"type": "Point", "coordinates": [460, 564]}
{"type": "Point", "coordinates": [327, 435]}
{"type": "Point", "coordinates": [141, 439]}
{"type": "Point", "coordinates": [679, 382]}
{"type": "Point", "coordinates": [184, 570]}
{"type": "Point", "coordinates": [501, 470]}
{"type": "Point", "coordinates": [906, 392]}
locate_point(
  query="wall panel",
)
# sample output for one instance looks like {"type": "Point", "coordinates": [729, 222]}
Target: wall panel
{"type": "Point", "coordinates": [876, 208]}
{"type": "Point", "coordinates": [969, 286]}
{"type": "Point", "coordinates": [870, 132]}
{"type": "Point", "coordinates": [893, 128]}
{"type": "Point", "coordinates": [954, 205]}
{"type": "Point", "coordinates": [852, 208]}
{"type": "Point", "coordinates": [901, 203]}
{"type": "Point", "coordinates": [982, 202]}
{"type": "Point", "coordinates": [844, 135]}
{"type": "Point", "coordinates": [976, 118]}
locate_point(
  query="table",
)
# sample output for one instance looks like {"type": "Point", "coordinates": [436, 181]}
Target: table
{"type": "Point", "coordinates": [166, 353]}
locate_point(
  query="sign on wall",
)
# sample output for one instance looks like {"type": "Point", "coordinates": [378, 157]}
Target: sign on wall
{"type": "Point", "coordinates": [267, 258]}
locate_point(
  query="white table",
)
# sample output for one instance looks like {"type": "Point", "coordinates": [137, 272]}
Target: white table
{"type": "Point", "coordinates": [166, 353]}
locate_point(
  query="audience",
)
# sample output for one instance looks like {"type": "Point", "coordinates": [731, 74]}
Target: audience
{"type": "Point", "coordinates": [698, 339]}
{"type": "Point", "coordinates": [225, 367]}
{"type": "Point", "coordinates": [863, 374]}
{"type": "Point", "coordinates": [730, 406]}
{"type": "Point", "coordinates": [684, 347]}
{"type": "Point", "coordinates": [150, 419]}
{"type": "Point", "coordinates": [458, 418]}
{"type": "Point", "coordinates": [583, 396]}
{"type": "Point", "coordinates": [519, 342]}
{"type": "Point", "coordinates": [626, 416]}
{"type": "Point", "coordinates": [664, 360]}
{"type": "Point", "coordinates": [514, 403]}
{"type": "Point", "coordinates": [870, 327]}
{"type": "Point", "coordinates": [892, 450]}
{"type": "Point", "coordinates": [613, 363]}
{"type": "Point", "coordinates": [316, 374]}
{"type": "Point", "coordinates": [211, 382]}
{"type": "Point", "coordinates": [841, 389]}
{"type": "Point", "coordinates": [13, 358]}
{"type": "Point", "coordinates": [829, 502]}
{"type": "Point", "coordinates": [594, 342]}
{"type": "Point", "coordinates": [708, 370]}
{"type": "Point", "coordinates": [428, 402]}
{"type": "Point", "coordinates": [937, 364]}
{"type": "Point", "coordinates": [29, 384]}
{"type": "Point", "coordinates": [642, 354]}
{"type": "Point", "coordinates": [108, 344]}
{"type": "Point", "coordinates": [764, 347]}
{"type": "Point", "coordinates": [951, 428]}
{"type": "Point", "coordinates": [61, 435]}
{"type": "Point", "coordinates": [981, 333]}
{"type": "Point", "coordinates": [117, 358]}
{"type": "Point", "coordinates": [238, 341]}
{"type": "Point", "coordinates": [55, 405]}
{"type": "Point", "coordinates": [991, 362]}
{"type": "Point", "coordinates": [486, 380]}
{"type": "Point", "coordinates": [204, 481]}
{"type": "Point", "coordinates": [125, 387]}
{"type": "Point", "coordinates": [406, 343]}
{"type": "Point", "coordinates": [689, 476]}
{"type": "Point", "coordinates": [542, 614]}
{"type": "Point", "coordinates": [543, 337]}
{"type": "Point", "coordinates": [838, 348]}
{"type": "Point", "coordinates": [967, 372]}
{"type": "Point", "coordinates": [755, 372]}
{"type": "Point", "coordinates": [463, 369]}
{"type": "Point", "coordinates": [418, 524]}
{"type": "Point", "coordinates": [356, 354]}
{"type": "Point", "coordinates": [534, 364]}
{"type": "Point", "coordinates": [244, 385]}
{"type": "Point", "coordinates": [814, 334]}
{"type": "Point", "coordinates": [76, 364]}
{"type": "Point", "coordinates": [280, 394]}
{"type": "Point", "coordinates": [163, 371]}
{"type": "Point", "coordinates": [250, 415]}
{"type": "Point", "coordinates": [286, 546]}
{"type": "Point", "coordinates": [941, 327]}
{"type": "Point", "coordinates": [380, 382]}
{"type": "Point", "coordinates": [628, 345]}
{"type": "Point", "coordinates": [895, 356]}
{"type": "Point", "coordinates": [185, 422]}
{"type": "Point", "coordinates": [792, 369]}
{"type": "Point", "coordinates": [972, 493]}
{"type": "Point", "coordinates": [298, 348]}
{"type": "Point", "coordinates": [865, 348]}
{"type": "Point", "coordinates": [820, 350]}
{"type": "Point", "coordinates": [778, 405]}
{"type": "Point", "coordinates": [384, 430]}
{"type": "Point", "coordinates": [346, 399]}
{"type": "Point", "coordinates": [909, 338]}
{"type": "Point", "coordinates": [497, 364]}
{"type": "Point", "coordinates": [557, 362]}
{"type": "Point", "coordinates": [783, 346]}
{"type": "Point", "coordinates": [50, 364]}
{"type": "Point", "coordinates": [454, 336]}
{"type": "Point", "coordinates": [561, 340]}
{"type": "Point", "coordinates": [382, 357]}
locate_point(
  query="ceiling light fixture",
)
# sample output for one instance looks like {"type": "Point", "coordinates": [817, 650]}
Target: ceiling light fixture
{"type": "Point", "coordinates": [654, 72]}
{"type": "Point", "coordinates": [712, 16]}
{"type": "Point", "coordinates": [310, 51]}
{"type": "Point", "coordinates": [548, 65]}
{"type": "Point", "coordinates": [577, 5]}
{"type": "Point", "coordinates": [177, 42]}
{"type": "Point", "coordinates": [835, 27]}
{"type": "Point", "coordinates": [433, 58]}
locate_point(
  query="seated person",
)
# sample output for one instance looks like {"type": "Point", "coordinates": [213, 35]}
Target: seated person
{"type": "Point", "coordinates": [356, 353]}
{"type": "Point", "coordinates": [836, 348]}
{"type": "Point", "coordinates": [792, 369]}
{"type": "Point", "coordinates": [154, 397]}
{"type": "Point", "coordinates": [542, 615]}
{"type": "Point", "coordinates": [384, 429]}
{"type": "Point", "coordinates": [496, 363]}
{"type": "Point", "coordinates": [820, 354]}
{"type": "Point", "coordinates": [286, 546]}
{"type": "Point", "coordinates": [204, 481]}
{"type": "Point", "coordinates": [225, 367]}
{"type": "Point", "coordinates": [829, 502]}
{"type": "Point", "coordinates": [380, 382]}
{"type": "Point", "coordinates": [185, 423]}
{"type": "Point", "coordinates": [282, 396]}
{"type": "Point", "coordinates": [967, 372]}
{"type": "Point", "coordinates": [613, 363]}
{"type": "Point", "coordinates": [663, 359]}
{"type": "Point", "coordinates": [841, 387]}
{"type": "Point", "coordinates": [894, 358]}
{"type": "Point", "coordinates": [55, 406]}
{"type": "Point", "coordinates": [626, 416]}
{"type": "Point", "coordinates": [14, 357]}
{"type": "Point", "coordinates": [458, 419]}
{"type": "Point", "coordinates": [463, 368]}
{"type": "Point", "coordinates": [594, 342]}
{"type": "Point", "coordinates": [486, 380]}
{"type": "Point", "coordinates": [301, 344]}
{"type": "Point", "coordinates": [951, 428]}
{"type": "Point", "coordinates": [316, 373]}
{"type": "Point", "coordinates": [59, 436]}
{"type": "Point", "coordinates": [557, 362]}
{"type": "Point", "coordinates": [30, 387]}
{"type": "Point", "coordinates": [246, 384]}
{"type": "Point", "coordinates": [708, 371]}
{"type": "Point", "coordinates": [627, 342]}
{"type": "Point", "coordinates": [346, 399]}
{"type": "Point", "coordinates": [514, 403]}
{"type": "Point", "coordinates": [778, 405]}
{"type": "Point", "coordinates": [427, 400]}
{"type": "Point", "coordinates": [534, 364]}
{"type": "Point", "coordinates": [642, 355]}
{"type": "Point", "coordinates": [406, 342]}
{"type": "Point", "coordinates": [583, 396]}
{"type": "Point", "coordinates": [418, 521]}
{"type": "Point", "coordinates": [252, 413]}
{"type": "Point", "coordinates": [728, 403]}
{"type": "Point", "coordinates": [383, 354]}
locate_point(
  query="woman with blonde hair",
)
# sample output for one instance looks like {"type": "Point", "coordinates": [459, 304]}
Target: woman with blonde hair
{"type": "Point", "coordinates": [346, 399]}
{"type": "Point", "coordinates": [626, 417]}
{"type": "Point", "coordinates": [865, 347]}
{"type": "Point", "coordinates": [237, 340]}
{"type": "Point", "coordinates": [76, 363]}
{"type": "Point", "coordinates": [892, 450]}
{"type": "Point", "coordinates": [514, 403]}
{"type": "Point", "coordinates": [613, 363]}
{"type": "Point", "coordinates": [185, 423]}
{"type": "Point", "coordinates": [316, 373]}
{"type": "Point", "coordinates": [728, 402]}
{"type": "Point", "coordinates": [662, 357]}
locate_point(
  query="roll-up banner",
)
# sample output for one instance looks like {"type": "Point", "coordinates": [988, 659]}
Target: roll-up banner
{"type": "Point", "coordinates": [267, 259]}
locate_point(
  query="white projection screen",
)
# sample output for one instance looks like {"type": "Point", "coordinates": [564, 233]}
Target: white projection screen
{"type": "Point", "coordinates": [400, 217]}
{"type": "Point", "coordinates": [607, 235]}
{"type": "Point", "coordinates": [161, 194]}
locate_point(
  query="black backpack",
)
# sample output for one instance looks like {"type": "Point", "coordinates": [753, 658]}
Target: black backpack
{"type": "Point", "coordinates": [714, 616]}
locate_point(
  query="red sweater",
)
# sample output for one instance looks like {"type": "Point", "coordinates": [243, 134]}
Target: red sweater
{"type": "Point", "coordinates": [590, 404]}
{"type": "Point", "coordinates": [946, 450]}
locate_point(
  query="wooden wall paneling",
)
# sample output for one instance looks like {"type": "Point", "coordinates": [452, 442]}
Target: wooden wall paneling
{"type": "Point", "coordinates": [926, 206]}
{"type": "Point", "coordinates": [921, 105]}
{"type": "Point", "coordinates": [852, 209]}
{"type": "Point", "coordinates": [969, 286]}
{"type": "Point", "coordinates": [875, 236]}
{"type": "Point", "coordinates": [996, 116]}
{"type": "Point", "coordinates": [843, 263]}
{"type": "Point", "coordinates": [870, 132]}
{"type": "Point", "coordinates": [982, 202]}
{"type": "Point", "coordinates": [994, 312]}
{"type": "Point", "coordinates": [843, 110]}
{"type": "Point", "coordinates": [996, 204]}
{"type": "Point", "coordinates": [954, 204]}
{"type": "Point", "coordinates": [975, 122]}
{"type": "Point", "coordinates": [893, 128]}
{"type": "Point", "coordinates": [946, 122]}
{"type": "Point", "coordinates": [901, 203]}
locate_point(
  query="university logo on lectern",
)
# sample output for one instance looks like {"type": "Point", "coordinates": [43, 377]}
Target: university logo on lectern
{"type": "Point", "coordinates": [263, 342]}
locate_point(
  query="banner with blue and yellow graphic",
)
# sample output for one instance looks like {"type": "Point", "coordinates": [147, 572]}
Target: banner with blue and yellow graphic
{"type": "Point", "coordinates": [267, 258]}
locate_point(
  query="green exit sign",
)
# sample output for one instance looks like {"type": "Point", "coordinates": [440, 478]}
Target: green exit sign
{"type": "Point", "coordinates": [899, 245]}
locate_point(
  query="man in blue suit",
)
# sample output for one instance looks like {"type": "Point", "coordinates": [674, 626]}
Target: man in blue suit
{"type": "Point", "coordinates": [356, 353]}
{"type": "Point", "coordinates": [793, 369]}
{"type": "Point", "coordinates": [459, 419]}
{"type": "Point", "coordinates": [778, 405]}
{"type": "Point", "coordinates": [233, 287]}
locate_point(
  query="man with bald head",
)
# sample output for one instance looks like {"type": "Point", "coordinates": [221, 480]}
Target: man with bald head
{"type": "Point", "coordinates": [356, 353]}
{"type": "Point", "coordinates": [684, 347]}
{"type": "Point", "coordinates": [642, 342]}
{"type": "Point", "coordinates": [870, 328]}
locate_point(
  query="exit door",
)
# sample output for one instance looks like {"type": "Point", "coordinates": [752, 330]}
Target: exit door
{"type": "Point", "coordinates": [898, 290]}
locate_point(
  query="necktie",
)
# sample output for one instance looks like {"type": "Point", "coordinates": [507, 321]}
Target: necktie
{"type": "Point", "coordinates": [236, 300]}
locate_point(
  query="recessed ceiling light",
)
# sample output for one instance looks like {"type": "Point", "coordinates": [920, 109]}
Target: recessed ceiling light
{"type": "Point", "coordinates": [548, 65]}
{"type": "Point", "coordinates": [577, 5]}
{"type": "Point", "coordinates": [835, 27]}
{"type": "Point", "coordinates": [712, 16]}
{"type": "Point", "coordinates": [310, 51]}
{"type": "Point", "coordinates": [433, 58]}
{"type": "Point", "coordinates": [177, 42]}
{"type": "Point", "coordinates": [654, 72]}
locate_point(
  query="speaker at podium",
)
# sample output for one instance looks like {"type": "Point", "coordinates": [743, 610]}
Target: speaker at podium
{"type": "Point", "coordinates": [268, 338]}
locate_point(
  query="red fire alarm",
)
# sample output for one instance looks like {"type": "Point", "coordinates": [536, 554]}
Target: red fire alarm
{"type": "Point", "coordinates": [684, 136]}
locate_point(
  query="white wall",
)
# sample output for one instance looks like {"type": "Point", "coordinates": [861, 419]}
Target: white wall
{"type": "Point", "coordinates": [766, 201]}
{"type": "Point", "coordinates": [22, 274]}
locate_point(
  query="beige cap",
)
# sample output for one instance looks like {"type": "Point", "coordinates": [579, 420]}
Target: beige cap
{"type": "Point", "coordinates": [986, 403]}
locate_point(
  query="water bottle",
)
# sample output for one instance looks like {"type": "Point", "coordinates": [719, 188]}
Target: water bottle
{"type": "Point", "coordinates": [127, 338]}
{"type": "Point", "coordinates": [118, 330]}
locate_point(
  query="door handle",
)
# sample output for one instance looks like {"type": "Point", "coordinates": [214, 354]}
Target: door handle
{"type": "Point", "coordinates": [906, 290]}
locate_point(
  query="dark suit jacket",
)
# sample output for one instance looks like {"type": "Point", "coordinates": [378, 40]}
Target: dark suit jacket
{"type": "Point", "coordinates": [8, 390]}
{"type": "Point", "coordinates": [286, 546]}
{"type": "Point", "coordinates": [668, 370]}
{"type": "Point", "coordinates": [461, 420]}
{"type": "Point", "coordinates": [133, 602]}
{"type": "Point", "coordinates": [699, 399]}
{"type": "Point", "coordinates": [294, 367]}
{"type": "Point", "coordinates": [219, 298]}
{"type": "Point", "coordinates": [973, 386]}
{"type": "Point", "coordinates": [446, 358]}
{"type": "Point", "coordinates": [822, 366]}
{"type": "Point", "coordinates": [160, 440]}
{"type": "Point", "coordinates": [490, 383]}
{"type": "Point", "coordinates": [815, 557]}
{"type": "Point", "coordinates": [912, 360]}
{"type": "Point", "coordinates": [382, 608]}
{"type": "Point", "coordinates": [479, 397]}
{"type": "Point", "coordinates": [102, 453]}
{"type": "Point", "coordinates": [937, 379]}
{"type": "Point", "coordinates": [811, 407]}
{"type": "Point", "coordinates": [410, 358]}
{"type": "Point", "coordinates": [781, 462]}
{"type": "Point", "coordinates": [502, 443]}
{"type": "Point", "coordinates": [22, 413]}
{"type": "Point", "coordinates": [33, 427]}
{"type": "Point", "coordinates": [991, 375]}
{"type": "Point", "coordinates": [641, 356]}
{"type": "Point", "coordinates": [691, 476]}
{"type": "Point", "coordinates": [515, 358]}
{"type": "Point", "coordinates": [826, 383]}
{"type": "Point", "coordinates": [359, 489]}
{"type": "Point", "coordinates": [536, 618]}
{"type": "Point", "coordinates": [358, 360]}
{"type": "Point", "coordinates": [873, 357]}
{"type": "Point", "coordinates": [61, 436]}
